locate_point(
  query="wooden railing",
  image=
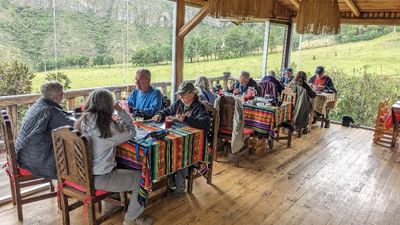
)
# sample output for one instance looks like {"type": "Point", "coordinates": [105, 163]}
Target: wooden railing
{"type": "Point", "coordinates": [11, 103]}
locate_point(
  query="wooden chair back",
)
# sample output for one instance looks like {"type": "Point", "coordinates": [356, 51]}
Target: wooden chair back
{"type": "Point", "coordinates": [226, 112]}
{"type": "Point", "coordinates": [8, 135]}
{"type": "Point", "coordinates": [17, 179]}
{"type": "Point", "coordinates": [213, 139]}
{"type": "Point", "coordinates": [72, 157]}
{"type": "Point", "coordinates": [383, 136]}
{"type": "Point", "coordinates": [215, 120]}
{"type": "Point", "coordinates": [74, 165]}
{"type": "Point", "coordinates": [289, 96]}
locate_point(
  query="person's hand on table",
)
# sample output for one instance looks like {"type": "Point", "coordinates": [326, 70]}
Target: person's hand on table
{"type": "Point", "coordinates": [180, 117]}
{"type": "Point", "coordinates": [157, 118]}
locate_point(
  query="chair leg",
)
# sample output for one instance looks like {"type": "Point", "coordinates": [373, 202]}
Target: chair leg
{"type": "Point", "coordinates": [289, 141]}
{"type": "Point", "coordinates": [210, 173]}
{"type": "Point", "coordinates": [51, 186]}
{"type": "Point", "coordinates": [19, 200]}
{"type": "Point", "coordinates": [124, 198]}
{"type": "Point", "coordinates": [99, 207]}
{"type": "Point", "coordinates": [65, 209]}
{"type": "Point", "coordinates": [12, 186]}
{"type": "Point", "coordinates": [190, 180]}
{"type": "Point", "coordinates": [91, 213]}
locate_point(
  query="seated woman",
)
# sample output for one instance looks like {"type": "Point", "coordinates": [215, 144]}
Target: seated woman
{"type": "Point", "coordinates": [104, 134]}
{"type": "Point", "coordinates": [189, 110]}
{"type": "Point", "coordinates": [321, 82]}
{"type": "Point", "coordinates": [304, 94]}
{"type": "Point", "coordinates": [204, 86]}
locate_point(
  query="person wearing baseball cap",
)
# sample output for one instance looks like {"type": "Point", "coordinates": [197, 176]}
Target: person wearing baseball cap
{"type": "Point", "coordinates": [287, 77]}
{"type": "Point", "coordinates": [322, 82]}
{"type": "Point", "coordinates": [190, 111]}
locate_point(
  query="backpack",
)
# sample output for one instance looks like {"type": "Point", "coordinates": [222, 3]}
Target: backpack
{"type": "Point", "coordinates": [346, 120]}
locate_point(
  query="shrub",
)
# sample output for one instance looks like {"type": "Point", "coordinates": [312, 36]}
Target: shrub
{"type": "Point", "coordinates": [60, 77]}
{"type": "Point", "coordinates": [15, 78]}
{"type": "Point", "coordinates": [359, 95]}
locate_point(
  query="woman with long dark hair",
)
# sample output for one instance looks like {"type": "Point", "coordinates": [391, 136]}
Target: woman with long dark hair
{"type": "Point", "coordinates": [104, 134]}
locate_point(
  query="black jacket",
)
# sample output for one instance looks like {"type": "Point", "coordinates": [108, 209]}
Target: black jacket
{"type": "Point", "coordinates": [196, 115]}
{"type": "Point", "coordinates": [34, 145]}
{"type": "Point", "coordinates": [243, 89]}
{"type": "Point", "coordinates": [328, 84]}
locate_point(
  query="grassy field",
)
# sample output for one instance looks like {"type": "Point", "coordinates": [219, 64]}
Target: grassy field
{"type": "Point", "coordinates": [381, 55]}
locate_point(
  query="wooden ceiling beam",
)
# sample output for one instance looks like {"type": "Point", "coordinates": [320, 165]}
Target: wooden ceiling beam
{"type": "Point", "coordinates": [353, 7]}
{"type": "Point", "coordinates": [194, 21]}
{"type": "Point", "coordinates": [295, 3]}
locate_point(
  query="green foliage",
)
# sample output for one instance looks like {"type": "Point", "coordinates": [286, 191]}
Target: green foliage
{"type": "Point", "coordinates": [152, 54]}
{"type": "Point", "coordinates": [60, 77]}
{"type": "Point", "coordinates": [16, 78]}
{"type": "Point", "coordinates": [359, 95]}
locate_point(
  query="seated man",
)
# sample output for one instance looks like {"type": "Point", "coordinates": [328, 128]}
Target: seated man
{"type": "Point", "coordinates": [244, 82]}
{"type": "Point", "coordinates": [271, 78]}
{"type": "Point", "coordinates": [287, 77]}
{"type": "Point", "coordinates": [189, 110]}
{"type": "Point", "coordinates": [322, 82]}
{"type": "Point", "coordinates": [34, 145]}
{"type": "Point", "coordinates": [145, 100]}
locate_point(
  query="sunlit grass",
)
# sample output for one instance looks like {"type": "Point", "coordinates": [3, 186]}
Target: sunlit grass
{"type": "Point", "coordinates": [381, 54]}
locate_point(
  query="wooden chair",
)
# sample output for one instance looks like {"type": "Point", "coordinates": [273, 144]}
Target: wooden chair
{"type": "Point", "coordinates": [226, 112]}
{"type": "Point", "coordinates": [382, 135]}
{"type": "Point", "coordinates": [19, 177]}
{"type": "Point", "coordinates": [288, 96]}
{"type": "Point", "coordinates": [74, 169]}
{"type": "Point", "coordinates": [213, 140]}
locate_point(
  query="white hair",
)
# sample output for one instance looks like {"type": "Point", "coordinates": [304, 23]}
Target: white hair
{"type": "Point", "coordinates": [203, 83]}
{"type": "Point", "coordinates": [50, 89]}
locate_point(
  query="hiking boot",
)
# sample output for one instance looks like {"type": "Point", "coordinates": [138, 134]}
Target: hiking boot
{"type": "Point", "coordinates": [327, 124]}
{"type": "Point", "coordinates": [141, 220]}
{"type": "Point", "coordinates": [178, 192]}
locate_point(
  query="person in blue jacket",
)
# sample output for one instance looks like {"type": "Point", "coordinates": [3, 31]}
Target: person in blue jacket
{"type": "Point", "coordinates": [145, 100]}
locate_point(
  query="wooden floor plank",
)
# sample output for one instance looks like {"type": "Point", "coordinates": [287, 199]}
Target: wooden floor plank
{"type": "Point", "coordinates": [331, 176]}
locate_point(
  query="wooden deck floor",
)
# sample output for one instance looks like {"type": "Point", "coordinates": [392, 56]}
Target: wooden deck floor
{"type": "Point", "coordinates": [331, 176]}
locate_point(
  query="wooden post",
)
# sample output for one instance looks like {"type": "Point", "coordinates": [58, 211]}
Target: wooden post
{"type": "Point", "coordinates": [180, 31]}
{"type": "Point", "coordinates": [286, 48]}
{"type": "Point", "coordinates": [177, 48]}
{"type": "Point", "coordinates": [298, 52]}
{"type": "Point", "coordinates": [265, 50]}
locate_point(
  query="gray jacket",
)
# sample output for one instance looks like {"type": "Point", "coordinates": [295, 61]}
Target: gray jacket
{"type": "Point", "coordinates": [237, 139]}
{"type": "Point", "coordinates": [103, 150]}
{"type": "Point", "coordinates": [34, 145]}
{"type": "Point", "coordinates": [303, 106]}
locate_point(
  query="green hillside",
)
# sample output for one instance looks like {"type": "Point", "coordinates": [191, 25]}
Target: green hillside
{"type": "Point", "coordinates": [381, 55]}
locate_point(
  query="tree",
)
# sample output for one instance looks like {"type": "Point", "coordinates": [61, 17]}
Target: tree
{"type": "Point", "coordinates": [109, 60]}
{"type": "Point", "coordinates": [190, 48]}
{"type": "Point", "coordinates": [16, 78]}
{"type": "Point", "coordinates": [60, 77]}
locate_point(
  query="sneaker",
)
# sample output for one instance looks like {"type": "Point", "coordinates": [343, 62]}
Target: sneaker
{"type": "Point", "coordinates": [141, 220]}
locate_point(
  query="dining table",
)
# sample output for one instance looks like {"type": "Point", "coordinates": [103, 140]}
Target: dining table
{"type": "Point", "coordinates": [180, 147]}
{"type": "Point", "coordinates": [265, 118]}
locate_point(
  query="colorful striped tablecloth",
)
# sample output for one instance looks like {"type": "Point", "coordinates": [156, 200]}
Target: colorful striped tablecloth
{"type": "Point", "coordinates": [183, 147]}
{"type": "Point", "coordinates": [264, 119]}
{"type": "Point", "coordinates": [324, 101]}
